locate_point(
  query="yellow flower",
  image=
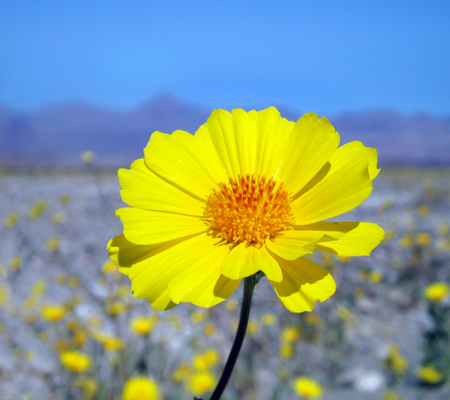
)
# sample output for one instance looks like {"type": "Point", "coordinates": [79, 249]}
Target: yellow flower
{"type": "Point", "coordinates": [231, 305]}
{"type": "Point", "coordinates": [423, 239]}
{"type": "Point", "coordinates": [5, 294]}
{"type": "Point", "coordinates": [209, 329]}
{"type": "Point", "coordinates": [252, 327]}
{"type": "Point", "coordinates": [246, 193]}
{"type": "Point", "coordinates": [52, 244]}
{"type": "Point", "coordinates": [58, 218]}
{"type": "Point", "coordinates": [12, 219]}
{"type": "Point", "coordinates": [396, 360]}
{"type": "Point", "coordinates": [443, 229]}
{"type": "Point", "coordinates": [37, 210]}
{"type": "Point", "coordinates": [142, 325]}
{"type": "Point", "coordinates": [269, 319]}
{"type": "Point", "coordinates": [109, 267]}
{"type": "Point", "coordinates": [116, 308]}
{"type": "Point", "coordinates": [64, 199]}
{"type": "Point", "coordinates": [406, 241]}
{"type": "Point", "coordinates": [88, 157]}
{"type": "Point", "coordinates": [199, 316]}
{"type": "Point", "coordinates": [110, 343]}
{"type": "Point", "coordinates": [286, 351]}
{"type": "Point", "coordinates": [429, 374]}
{"type": "Point", "coordinates": [141, 388]}
{"type": "Point", "coordinates": [423, 211]}
{"type": "Point", "coordinates": [181, 372]}
{"type": "Point", "coordinates": [53, 313]}
{"type": "Point", "coordinates": [307, 387]}
{"type": "Point", "coordinates": [75, 361]}
{"type": "Point", "coordinates": [290, 334]}
{"type": "Point", "coordinates": [205, 360]}
{"type": "Point", "coordinates": [201, 382]}
{"type": "Point", "coordinates": [347, 315]}
{"type": "Point", "coordinates": [375, 277]}
{"type": "Point", "coordinates": [16, 262]}
{"type": "Point", "coordinates": [88, 386]}
{"type": "Point", "coordinates": [437, 292]}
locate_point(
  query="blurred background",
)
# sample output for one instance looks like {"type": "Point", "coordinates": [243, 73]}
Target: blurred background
{"type": "Point", "coordinates": [82, 87]}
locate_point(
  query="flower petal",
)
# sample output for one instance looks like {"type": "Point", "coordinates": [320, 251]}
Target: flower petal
{"type": "Point", "coordinates": [294, 244]}
{"type": "Point", "coordinates": [348, 238]}
{"type": "Point", "coordinates": [304, 282]}
{"type": "Point", "coordinates": [141, 188]}
{"type": "Point", "coordinates": [150, 227]}
{"type": "Point", "coordinates": [248, 143]}
{"type": "Point", "coordinates": [202, 283]}
{"type": "Point", "coordinates": [152, 274]}
{"type": "Point", "coordinates": [187, 161]}
{"type": "Point", "coordinates": [310, 145]}
{"type": "Point", "coordinates": [244, 261]}
{"type": "Point", "coordinates": [342, 184]}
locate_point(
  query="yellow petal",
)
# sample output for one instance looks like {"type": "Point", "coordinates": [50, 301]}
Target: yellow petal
{"type": "Point", "coordinates": [150, 227]}
{"type": "Point", "coordinates": [202, 283]}
{"type": "Point", "coordinates": [341, 185]}
{"type": "Point", "coordinates": [248, 143]}
{"type": "Point", "coordinates": [294, 244]}
{"type": "Point", "coordinates": [304, 282]}
{"type": "Point", "coordinates": [348, 238]}
{"type": "Point", "coordinates": [141, 188]}
{"type": "Point", "coordinates": [310, 145]}
{"type": "Point", "coordinates": [186, 161]}
{"type": "Point", "coordinates": [151, 275]}
{"type": "Point", "coordinates": [244, 261]}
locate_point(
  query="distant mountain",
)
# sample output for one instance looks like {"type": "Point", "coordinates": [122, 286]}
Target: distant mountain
{"type": "Point", "coordinates": [57, 135]}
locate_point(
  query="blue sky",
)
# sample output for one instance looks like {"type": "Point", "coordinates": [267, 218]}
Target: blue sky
{"type": "Point", "coordinates": [321, 56]}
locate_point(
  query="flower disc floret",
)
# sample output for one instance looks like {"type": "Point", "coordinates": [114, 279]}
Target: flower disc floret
{"type": "Point", "coordinates": [249, 209]}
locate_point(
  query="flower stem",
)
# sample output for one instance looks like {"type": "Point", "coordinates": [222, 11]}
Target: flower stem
{"type": "Point", "coordinates": [249, 284]}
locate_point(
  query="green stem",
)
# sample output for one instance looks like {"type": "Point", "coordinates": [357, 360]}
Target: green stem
{"type": "Point", "coordinates": [249, 284]}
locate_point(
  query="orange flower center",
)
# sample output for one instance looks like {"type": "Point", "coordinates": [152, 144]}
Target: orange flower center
{"type": "Point", "coordinates": [248, 209]}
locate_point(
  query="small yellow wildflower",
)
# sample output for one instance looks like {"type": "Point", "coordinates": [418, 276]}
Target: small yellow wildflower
{"type": "Point", "coordinates": [88, 387]}
{"type": "Point", "coordinates": [286, 350]}
{"type": "Point", "coordinates": [375, 277]}
{"type": "Point", "coordinates": [88, 157]}
{"type": "Point", "coordinates": [142, 325]}
{"type": "Point", "coordinates": [38, 288]}
{"type": "Point", "coordinates": [52, 244]}
{"type": "Point", "coordinates": [12, 219]}
{"type": "Point", "coordinates": [443, 229]}
{"type": "Point", "coordinates": [290, 334]}
{"type": "Point", "coordinates": [110, 343]}
{"type": "Point", "coordinates": [64, 199]}
{"type": "Point", "coordinates": [423, 211]}
{"type": "Point", "coordinates": [406, 241]}
{"type": "Point", "coordinates": [206, 360]}
{"type": "Point", "coordinates": [73, 281]}
{"type": "Point", "coordinates": [75, 361]}
{"type": "Point", "coordinates": [423, 239]}
{"type": "Point", "coordinates": [307, 387]}
{"type": "Point", "coordinates": [313, 319]}
{"type": "Point", "coordinates": [437, 292]}
{"type": "Point", "coordinates": [252, 327]}
{"type": "Point", "coordinates": [181, 373]}
{"type": "Point", "coordinates": [16, 262]}
{"type": "Point", "coordinates": [116, 308]}
{"type": "Point", "coordinates": [269, 319]}
{"type": "Point", "coordinates": [37, 210]}
{"type": "Point", "coordinates": [53, 313]}
{"type": "Point", "coordinates": [231, 305]}
{"type": "Point", "coordinates": [429, 374]}
{"type": "Point", "coordinates": [347, 316]}
{"type": "Point", "coordinates": [396, 360]}
{"type": "Point", "coordinates": [58, 218]}
{"type": "Point", "coordinates": [199, 316]}
{"type": "Point", "coordinates": [391, 395]}
{"type": "Point", "coordinates": [141, 388]}
{"type": "Point", "coordinates": [109, 267]}
{"type": "Point", "coordinates": [201, 382]}
{"type": "Point", "coordinates": [5, 294]}
{"type": "Point", "coordinates": [209, 329]}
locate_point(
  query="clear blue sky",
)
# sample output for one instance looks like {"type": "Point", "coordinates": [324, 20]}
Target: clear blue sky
{"type": "Point", "coordinates": [322, 56]}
